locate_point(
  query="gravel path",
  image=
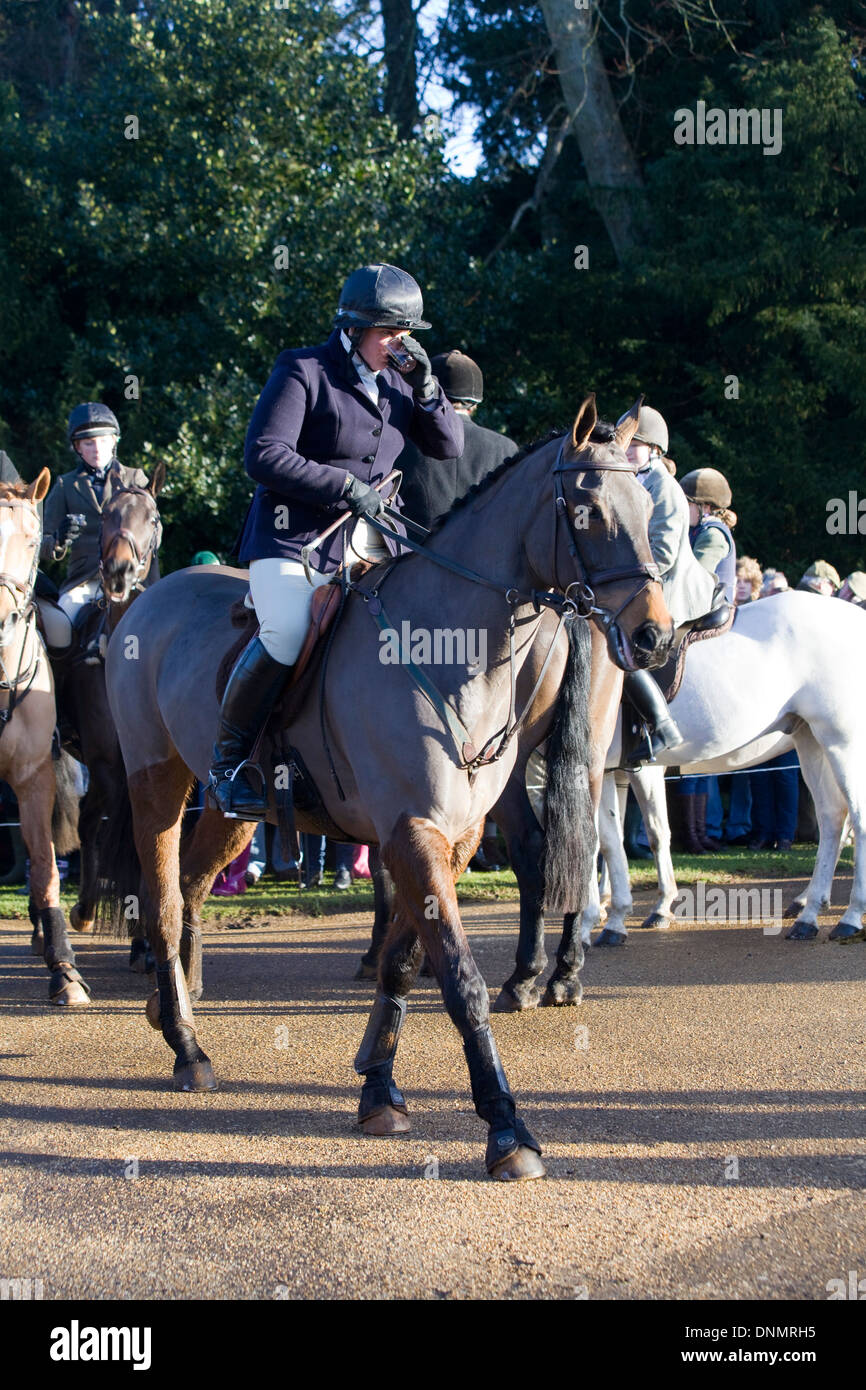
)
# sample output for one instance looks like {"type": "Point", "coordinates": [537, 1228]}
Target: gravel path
{"type": "Point", "coordinates": [702, 1117]}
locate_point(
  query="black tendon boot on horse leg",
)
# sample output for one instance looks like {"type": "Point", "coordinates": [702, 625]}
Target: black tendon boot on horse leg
{"type": "Point", "coordinates": [66, 985]}
{"type": "Point", "coordinates": [249, 697]}
{"type": "Point", "coordinates": [423, 866]}
{"type": "Point", "coordinates": [382, 1108]}
{"type": "Point", "coordinates": [169, 1009]}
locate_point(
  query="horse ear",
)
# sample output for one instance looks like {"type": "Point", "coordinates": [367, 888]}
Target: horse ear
{"type": "Point", "coordinates": [587, 418]}
{"type": "Point", "coordinates": [157, 479]}
{"type": "Point", "coordinates": [624, 431]}
{"type": "Point", "coordinates": [39, 487]}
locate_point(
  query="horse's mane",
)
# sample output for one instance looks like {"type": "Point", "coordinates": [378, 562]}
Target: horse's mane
{"type": "Point", "coordinates": [13, 489]}
{"type": "Point", "coordinates": [602, 434]}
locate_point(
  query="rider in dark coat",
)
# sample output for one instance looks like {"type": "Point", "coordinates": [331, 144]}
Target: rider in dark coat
{"type": "Point", "coordinates": [430, 487]}
{"type": "Point", "coordinates": [329, 424]}
{"type": "Point", "coordinates": [72, 515]}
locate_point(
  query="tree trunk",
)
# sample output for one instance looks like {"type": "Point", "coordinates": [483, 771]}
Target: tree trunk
{"type": "Point", "coordinates": [401, 63]}
{"type": "Point", "coordinates": [612, 168]}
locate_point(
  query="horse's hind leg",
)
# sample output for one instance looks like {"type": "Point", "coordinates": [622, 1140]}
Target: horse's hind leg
{"type": "Point", "coordinates": [423, 864]}
{"type": "Point", "coordinates": [35, 804]}
{"type": "Point", "coordinates": [846, 757]}
{"type": "Point", "coordinates": [214, 843]}
{"type": "Point", "coordinates": [831, 810]}
{"type": "Point", "coordinates": [158, 795]}
{"type": "Point", "coordinates": [525, 839]}
{"type": "Point", "coordinates": [97, 796]}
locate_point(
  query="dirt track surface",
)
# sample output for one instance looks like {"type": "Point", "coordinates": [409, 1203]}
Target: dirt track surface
{"type": "Point", "coordinates": [701, 1114]}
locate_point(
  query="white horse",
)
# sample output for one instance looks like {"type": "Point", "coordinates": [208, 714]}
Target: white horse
{"type": "Point", "coordinates": [790, 673]}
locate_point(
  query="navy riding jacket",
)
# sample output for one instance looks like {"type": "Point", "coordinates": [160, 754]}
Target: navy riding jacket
{"type": "Point", "coordinates": [313, 424]}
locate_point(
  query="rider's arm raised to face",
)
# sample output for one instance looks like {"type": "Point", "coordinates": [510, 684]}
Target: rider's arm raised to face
{"type": "Point", "coordinates": [271, 454]}
{"type": "Point", "coordinates": [53, 512]}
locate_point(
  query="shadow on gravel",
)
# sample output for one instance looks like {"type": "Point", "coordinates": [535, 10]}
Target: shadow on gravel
{"type": "Point", "coordinates": [834, 1172]}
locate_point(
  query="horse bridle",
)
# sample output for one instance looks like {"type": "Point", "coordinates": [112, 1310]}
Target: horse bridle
{"type": "Point", "coordinates": [24, 608]}
{"type": "Point", "coordinates": [586, 602]}
{"type": "Point", "coordinates": [142, 559]}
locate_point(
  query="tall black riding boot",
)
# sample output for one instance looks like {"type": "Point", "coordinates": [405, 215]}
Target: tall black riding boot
{"type": "Point", "coordinates": [652, 708]}
{"type": "Point", "coordinates": [249, 697]}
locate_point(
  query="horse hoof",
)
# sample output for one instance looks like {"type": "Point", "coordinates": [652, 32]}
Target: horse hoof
{"type": "Point", "coordinates": [657, 920]}
{"type": "Point", "coordinates": [37, 944]}
{"type": "Point", "coordinates": [802, 931]}
{"type": "Point", "coordinates": [66, 988]}
{"type": "Point", "coordinates": [79, 923]}
{"type": "Point", "coordinates": [610, 938]}
{"type": "Point", "coordinates": [366, 972]}
{"type": "Point", "coordinates": [151, 1011]}
{"type": "Point", "coordinates": [516, 1002]}
{"type": "Point", "coordinates": [195, 1076]}
{"type": "Point", "coordinates": [846, 931]}
{"type": "Point", "coordinates": [560, 993]}
{"type": "Point", "coordinates": [385, 1122]}
{"type": "Point", "coordinates": [520, 1166]}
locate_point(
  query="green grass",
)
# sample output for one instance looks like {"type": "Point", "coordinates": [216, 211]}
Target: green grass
{"type": "Point", "coordinates": [271, 899]}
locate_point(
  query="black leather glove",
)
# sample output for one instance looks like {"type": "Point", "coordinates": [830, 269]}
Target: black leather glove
{"type": "Point", "coordinates": [70, 528]}
{"type": "Point", "coordinates": [420, 378]}
{"type": "Point", "coordinates": [362, 500]}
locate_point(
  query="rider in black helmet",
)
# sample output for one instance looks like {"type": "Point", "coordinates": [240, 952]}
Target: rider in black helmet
{"type": "Point", "coordinates": [73, 509]}
{"type": "Point", "coordinates": [328, 426]}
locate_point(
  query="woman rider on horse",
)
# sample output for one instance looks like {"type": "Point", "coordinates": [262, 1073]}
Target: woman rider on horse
{"type": "Point", "coordinates": [688, 588]}
{"type": "Point", "coordinates": [711, 522]}
{"type": "Point", "coordinates": [329, 424]}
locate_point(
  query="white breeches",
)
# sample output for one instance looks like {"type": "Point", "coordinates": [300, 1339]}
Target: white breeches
{"type": "Point", "coordinates": [74, 599]}
{"type": "Point", "coordinates": [282, 595]}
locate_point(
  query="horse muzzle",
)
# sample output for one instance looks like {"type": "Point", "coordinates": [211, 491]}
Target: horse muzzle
{"type": "Point", "coordinates": [647, 648]}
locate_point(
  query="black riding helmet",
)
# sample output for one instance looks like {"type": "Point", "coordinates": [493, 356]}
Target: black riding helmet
{"type": "Point", "coordinates": [89, 420]}
{"type": "Point", "coordinates": [380, 296]}
{"type": "Point", "coordinates": [460, 378]}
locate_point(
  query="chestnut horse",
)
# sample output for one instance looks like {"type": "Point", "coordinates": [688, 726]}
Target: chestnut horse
{"type": "Point", "coordinates": [410, 769]}
{"type": "Point", "coordinates": [27, 720]}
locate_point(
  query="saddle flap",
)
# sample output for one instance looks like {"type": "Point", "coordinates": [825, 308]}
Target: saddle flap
{"type": "Point", "coordinates": [323, 610]}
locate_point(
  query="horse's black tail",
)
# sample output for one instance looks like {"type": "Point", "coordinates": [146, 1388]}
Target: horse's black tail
{"type": "Point", "coordinates": [64, 816]}
{"type": "Point", "coordinates": [570, 834]}
{"type": "Point", "coordinates": [118, 909]}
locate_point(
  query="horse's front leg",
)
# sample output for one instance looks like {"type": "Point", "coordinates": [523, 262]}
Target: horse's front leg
{"type": "Point", "coordinates": [35, 805]}
{"type": "Point", "coordinates": [158, 796]}
{"type": "Point", "coordinates": [831, 810]}
{"type": "Point", "coordinates": [423, 865]}
{"type": "Point", "coordinates": [648, 784]}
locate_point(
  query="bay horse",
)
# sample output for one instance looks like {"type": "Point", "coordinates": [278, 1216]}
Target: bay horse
{"type": "Point", "coordinates": [129, 538]}
{"type": "Point", "coordinates": [412, 772]}
{"type": "Point", "coordinates": [27, 722]}
{"type": "Point", "coordinates": [790, 673]}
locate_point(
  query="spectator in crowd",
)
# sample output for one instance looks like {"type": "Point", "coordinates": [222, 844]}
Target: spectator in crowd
{"type": "Point", "coordinates": [853, 589]}
{"type": "Point", "coordinates": [774, 582]}
{"type": "Point", "coordinates": [820, 578]}
{"type": "Point", "coordinates": [749, 580]}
